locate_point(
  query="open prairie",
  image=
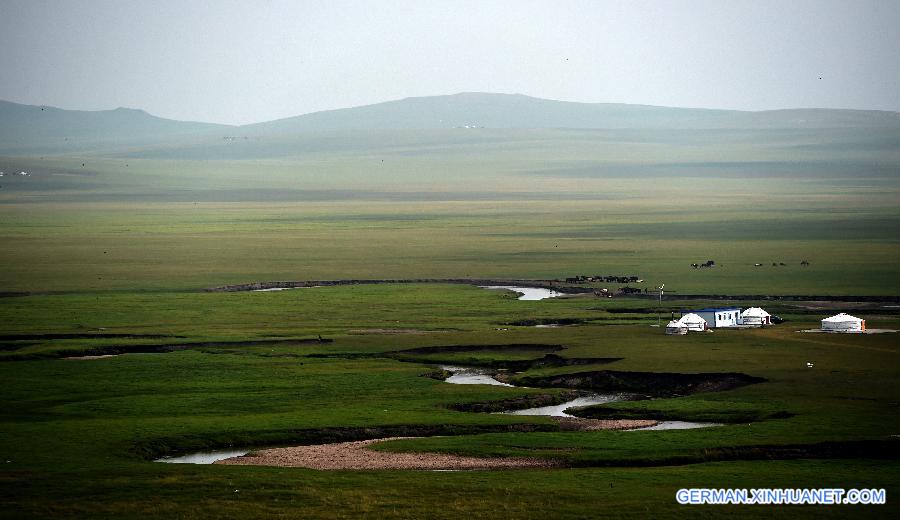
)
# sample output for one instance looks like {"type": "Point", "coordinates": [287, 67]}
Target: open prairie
{"type": "Point", "coordinates": [465, 203]}
{"type": "Point", "coordinates": [107, 253]}
{"type": "Point", "coordinates": [79, 435]}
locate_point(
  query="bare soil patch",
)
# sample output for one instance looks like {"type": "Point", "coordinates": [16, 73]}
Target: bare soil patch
{"type": "Point", "coordinates": [356, 456]}
{"type": "Point", "coordinates": [589, 425]}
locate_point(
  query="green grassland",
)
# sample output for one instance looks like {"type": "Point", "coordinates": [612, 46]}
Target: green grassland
{"type": "Point", "coordinates": [454, 204]}
{"type": "Point", "coordinates": [78, 434]}
{"type": "Point", "coordinates": [124, 240]}
{"type": "Point", "coordinates": [96, 247]}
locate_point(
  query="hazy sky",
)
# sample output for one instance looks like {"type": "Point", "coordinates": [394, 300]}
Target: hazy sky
{"type": "Point", "coordinates": [247, 61]}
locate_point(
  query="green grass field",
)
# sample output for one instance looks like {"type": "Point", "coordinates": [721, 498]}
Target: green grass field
{"type": "Point", "coordinates": [123, 241]}
{"type": "Point", "coordinates": [78, 434]}
{"type": "Point", "coordinates": [97, 247]}
{"type": "Point", "coordinates": [451, 204]}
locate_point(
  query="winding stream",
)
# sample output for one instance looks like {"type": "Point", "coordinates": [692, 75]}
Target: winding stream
{"type": "Point", "coordinates": [477, 376]}
{"type": "Point", "coordinates": [469, 376]}
{"type": "Point", "coordinates": [480, 376]}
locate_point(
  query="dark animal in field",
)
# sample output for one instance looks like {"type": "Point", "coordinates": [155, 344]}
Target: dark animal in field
{"type": "Point", "coordinates": [781, 263]}
{"type": "Point", "coordinates": [804, 263]}
{"type": "Point", "coordinates": [695, 266]}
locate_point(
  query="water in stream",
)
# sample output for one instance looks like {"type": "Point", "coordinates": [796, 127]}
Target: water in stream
{"type": "Point", "coordinates": [204, 457]}
{"type": "Point", "coordinates": [559, 410]}
{"type": "Point", "coordinates": [678, 425]}
{"type": "Point", "coordinates": [528, 293]}
{"type": "Point", "coordinates": [470, 376]}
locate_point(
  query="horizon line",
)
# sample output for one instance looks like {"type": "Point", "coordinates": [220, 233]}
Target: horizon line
{"type": "Point", "coordinates": [396, 100]}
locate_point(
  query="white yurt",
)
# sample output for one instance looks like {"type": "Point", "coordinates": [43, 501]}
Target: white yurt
{"type": "Point", "coordinates": [693, 322]}
{"type": "Point", "coordinates": [756, 316]}
{"type": "Point", "coordinates": [843, 322]}
{"type": "Point", "coordinates": [675, 327]}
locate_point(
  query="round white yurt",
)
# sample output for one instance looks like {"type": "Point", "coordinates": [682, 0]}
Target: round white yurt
{"type": "Point", "coordinates": [843, 322]}
{"type": "Point", "coordinates": [675, 327]}
{"type": "Point", "coordinates": [756, 316]}
{"type": "Point", "coordinates": [693, 322]}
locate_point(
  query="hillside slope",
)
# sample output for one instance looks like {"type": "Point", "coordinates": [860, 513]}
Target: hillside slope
{"type": "Point", "coordinates": [519, 111]}
{"type": "Point", "coordinates": [43, 128]}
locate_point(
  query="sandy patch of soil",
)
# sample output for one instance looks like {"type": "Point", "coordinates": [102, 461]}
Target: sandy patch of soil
{"type": "Point", "coordinates": [589, 425]}
{"type": "Point", "coordinates": [88, 358]}
{"type": "Point", "coordinates": [356, 455]}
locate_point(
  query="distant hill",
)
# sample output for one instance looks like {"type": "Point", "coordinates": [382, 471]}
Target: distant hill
{"type": "Point", "coordinates": [37, 128]}
{"type": "Point", "coordinates": [519, 111]}
{"type": "Point", "coordinates": [30, 130]}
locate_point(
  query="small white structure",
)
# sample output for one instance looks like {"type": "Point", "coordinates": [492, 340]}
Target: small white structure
{"type": "Point", "coordinates": [755, 316]}
{"type": "Point", "coordinates": [693, 322]}
{"type": "Point", "coordinates": [675, 327]}
{"type": "Point", "coordinates": [843, 322]}
{"type": "Point", "coordinates": [720, 316]}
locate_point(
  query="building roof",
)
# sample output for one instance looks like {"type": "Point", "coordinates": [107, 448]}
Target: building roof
{"type": "Point", "coordinates": [842, 317]}
{"type": "Point", "coordinates": [691, 318]}
{"type": "Point", "coordinates": [674, 323]}
{"type": "Point", "coordinates": [717, 309]}
{"type": "Point", "coordinates": [755, 311]}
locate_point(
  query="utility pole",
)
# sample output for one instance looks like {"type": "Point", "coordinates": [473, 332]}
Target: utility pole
{"type": "Point", "coordinates": [659, 306]}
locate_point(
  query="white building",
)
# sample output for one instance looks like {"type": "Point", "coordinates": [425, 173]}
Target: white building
{"type": "Point", "coordinates": [755, 316]}
{"type": "Point", "coordinates": [720, 316]}
{"type": "Point", "coordinates": [675, 327]}
{"type": "Point", "coordinates": [693, 322]}
{"type": "Point", "coordinates": [843, 322]}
